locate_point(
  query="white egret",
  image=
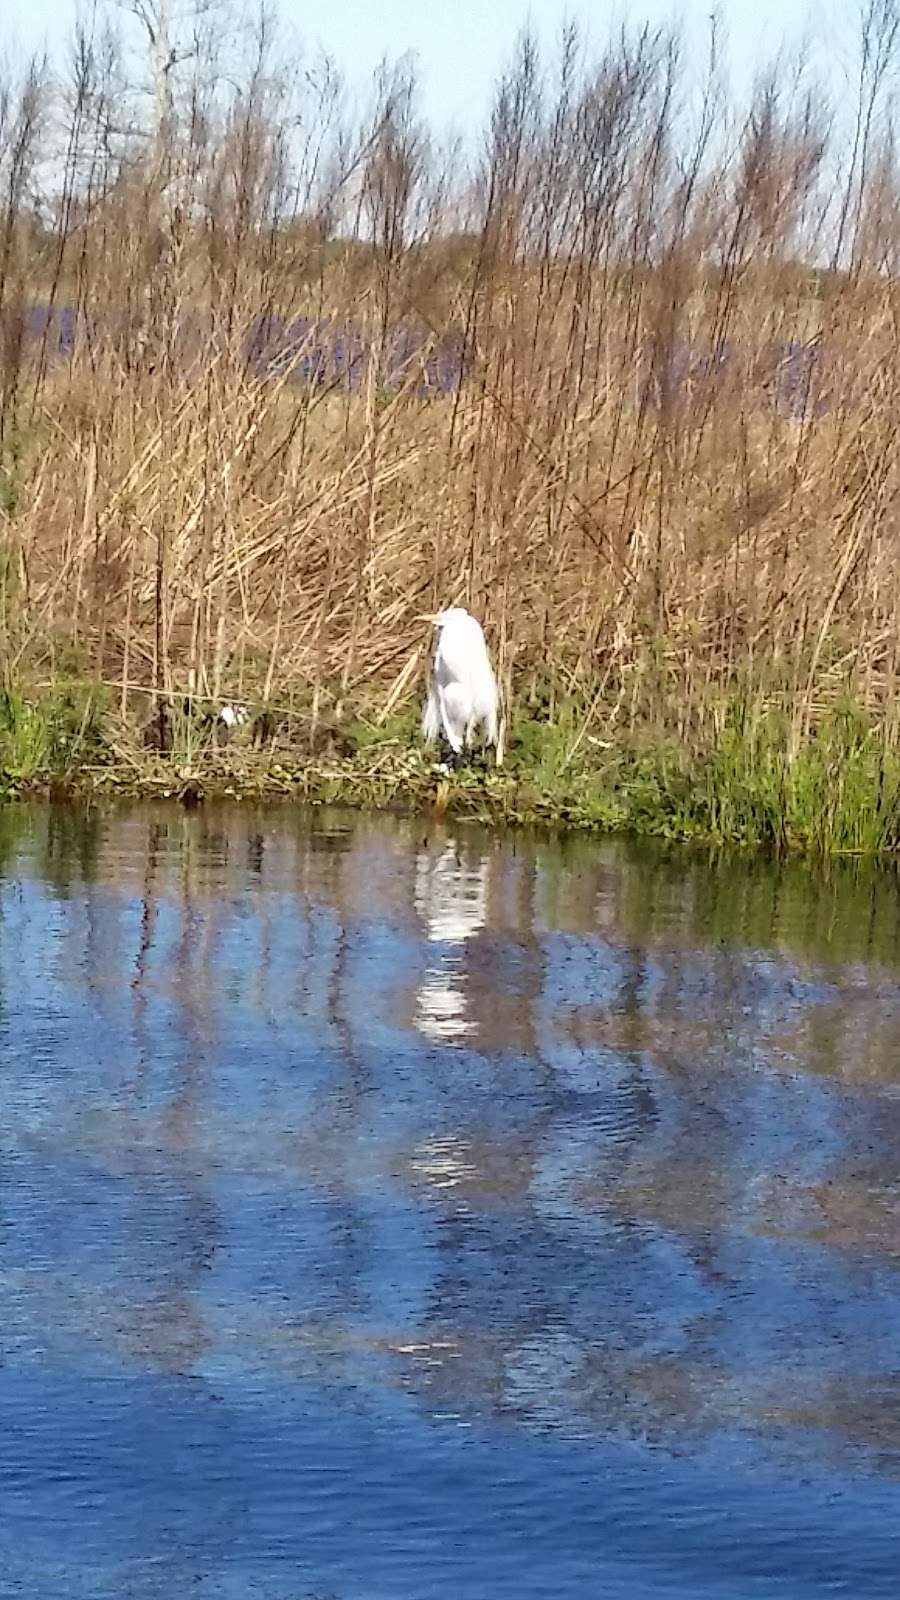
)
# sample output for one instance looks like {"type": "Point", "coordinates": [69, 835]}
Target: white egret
{"type": "Point", "coordinates": [462, 695]}
{"type": "Point", "coordinates": [233, 716]}
{"type": "Point", "coordinates": [229, 720]}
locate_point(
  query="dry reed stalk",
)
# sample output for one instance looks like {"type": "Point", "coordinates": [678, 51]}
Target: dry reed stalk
{"type": "Point", "coordinates": [641, 530]}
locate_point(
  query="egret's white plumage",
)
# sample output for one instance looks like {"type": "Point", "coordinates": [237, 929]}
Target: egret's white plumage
{"type": "Point", "coordinates": [233, 716]}
{"type": "Point", "coordinates": [462, 695]}
{"type": "Point", "coordinates": [229, 719]}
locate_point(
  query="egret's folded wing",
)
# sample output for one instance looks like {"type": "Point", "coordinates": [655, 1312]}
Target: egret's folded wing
{"type": "Point", "coordinates": [431, 718]}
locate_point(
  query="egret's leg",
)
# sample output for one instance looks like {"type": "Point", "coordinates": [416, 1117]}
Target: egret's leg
{"type": "Point", "coordinates": [451, 735]}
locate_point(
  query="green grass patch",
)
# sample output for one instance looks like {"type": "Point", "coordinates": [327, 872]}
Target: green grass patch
{"type": "Point", "coordinates": [751, 777]}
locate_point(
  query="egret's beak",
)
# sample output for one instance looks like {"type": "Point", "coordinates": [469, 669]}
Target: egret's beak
{"type": "Point", "coordinates": [427, 616]}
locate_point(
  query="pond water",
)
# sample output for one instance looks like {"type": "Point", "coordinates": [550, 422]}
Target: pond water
{"type": "Point", "coordinates": [389, 1212]}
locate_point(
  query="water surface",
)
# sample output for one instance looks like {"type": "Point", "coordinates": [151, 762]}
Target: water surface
{"type": "Point", "coordinates": [388, 1212]}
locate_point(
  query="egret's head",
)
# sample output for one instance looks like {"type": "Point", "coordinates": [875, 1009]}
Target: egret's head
{"type": "Point", "coordinates": [452, 614]}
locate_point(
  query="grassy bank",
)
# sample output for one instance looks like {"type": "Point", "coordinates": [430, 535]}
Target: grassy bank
{"type": "Point", "coordinates": [755, 780]}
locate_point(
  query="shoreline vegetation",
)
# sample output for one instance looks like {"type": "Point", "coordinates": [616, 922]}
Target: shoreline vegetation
{"type": "Point", "coordinates": [283, 367]}
{"type": "Point", "coordinates": [838, 795]}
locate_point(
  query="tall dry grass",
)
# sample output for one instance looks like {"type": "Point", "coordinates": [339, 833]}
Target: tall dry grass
{"type": "Point", "coordinates": [669, 465]}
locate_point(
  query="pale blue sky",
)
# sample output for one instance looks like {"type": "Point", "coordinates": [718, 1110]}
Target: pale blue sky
{"type": "Point", "coordinates": [460, 44]}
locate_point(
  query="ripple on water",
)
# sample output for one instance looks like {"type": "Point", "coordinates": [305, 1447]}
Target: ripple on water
{"type": "Point", "coordinates": [388, 1212]}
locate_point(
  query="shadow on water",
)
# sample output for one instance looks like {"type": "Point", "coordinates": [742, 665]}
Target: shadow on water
{"type": "Point", "coordinates": [387, 1210]}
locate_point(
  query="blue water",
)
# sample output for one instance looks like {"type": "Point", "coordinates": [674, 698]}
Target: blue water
{"type": "Point", "coordinates": [798, 377]}
{"type": "Point", "coordinates": [390, 1213]}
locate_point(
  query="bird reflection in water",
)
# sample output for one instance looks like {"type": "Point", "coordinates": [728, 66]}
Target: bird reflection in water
{"type": "Point", "coordinates": [450, 897]}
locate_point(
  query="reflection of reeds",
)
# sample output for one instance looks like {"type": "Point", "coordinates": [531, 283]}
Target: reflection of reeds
{"type": "Point", "coordinates": [571, 1236]}
{"type": "Point", "coordinates": [628, 387]}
